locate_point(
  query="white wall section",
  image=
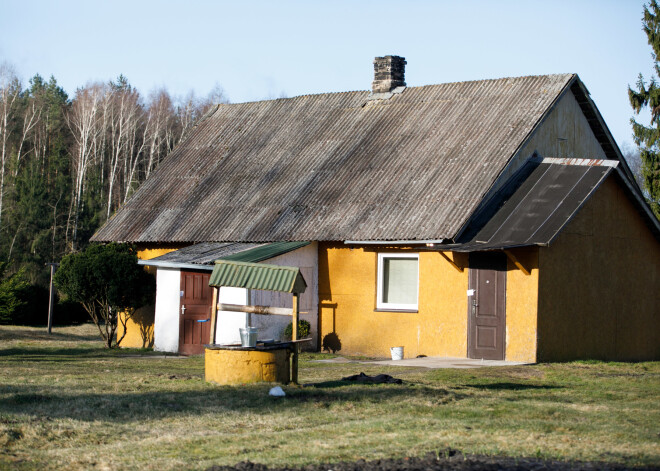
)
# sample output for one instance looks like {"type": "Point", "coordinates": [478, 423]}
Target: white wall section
{"type": "Point", "coordinates": [229, 322]}
{"type": "Point", "coordinates": [166, 321]}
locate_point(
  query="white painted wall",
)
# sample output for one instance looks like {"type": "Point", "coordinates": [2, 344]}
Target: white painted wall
{"type": "Point", "coordinates": [306, 258]}
{"type": "Point", "coordinates": [166, 321]}
{"type": "Point", "coordinates": [229, 322]}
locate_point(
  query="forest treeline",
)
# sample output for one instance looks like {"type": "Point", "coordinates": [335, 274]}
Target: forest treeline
{"type": "Point", "coordinates": [67, 163]}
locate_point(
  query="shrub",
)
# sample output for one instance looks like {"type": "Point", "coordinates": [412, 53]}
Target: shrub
{"type": "Point", "coordinates": [69, 312]}
{"type": "Point", "coordinates": [12, 297]}
{"type": "Point", "coordinates": [34, 310]}
{"type": "Point", "coordinates": [303, 329]}
{"type": "Point", "coordinates": [106, 280]}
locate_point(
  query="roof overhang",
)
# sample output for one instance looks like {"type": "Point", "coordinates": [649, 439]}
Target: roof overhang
{"type": "Point", "coordinates": [203, 256]}
{"type": "Point", "coordinates": [535, 205]}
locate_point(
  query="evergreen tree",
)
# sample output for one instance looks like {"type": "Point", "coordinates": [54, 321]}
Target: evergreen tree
{"type": "Point", "coordinates": [648, 137]}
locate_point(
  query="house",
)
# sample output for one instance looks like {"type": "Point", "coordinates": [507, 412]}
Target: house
{"type": "Point", "coordinates": [485, 219]}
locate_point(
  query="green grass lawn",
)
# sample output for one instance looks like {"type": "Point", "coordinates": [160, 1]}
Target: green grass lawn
{"type": "Point", "coordinates": [68, 403]}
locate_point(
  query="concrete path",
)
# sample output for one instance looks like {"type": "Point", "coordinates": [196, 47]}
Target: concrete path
{"type": "Point", "coordinates": [430, 362]}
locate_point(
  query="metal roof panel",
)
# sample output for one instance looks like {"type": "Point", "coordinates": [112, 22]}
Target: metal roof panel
{"type": "Point", "coordinates": [534, 210]}
{"type": "Point", "coordinates": [257, 276]}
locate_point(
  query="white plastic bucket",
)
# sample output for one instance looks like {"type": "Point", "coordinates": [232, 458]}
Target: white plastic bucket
{"type": "Point", "coordinates": [397, 353]}
{"type": "Point", "coordinates": [248, 336]}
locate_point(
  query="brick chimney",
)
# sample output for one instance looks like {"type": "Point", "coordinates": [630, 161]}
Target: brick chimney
{"type": "Point", "coordinates": [389, 73]}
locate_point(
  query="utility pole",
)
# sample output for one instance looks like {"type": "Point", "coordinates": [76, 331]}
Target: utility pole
{"type": "Point", "coordinates": [51, 302]}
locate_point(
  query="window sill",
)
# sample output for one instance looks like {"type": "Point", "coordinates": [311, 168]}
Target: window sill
{"type": "Point", "coordinates": [395, 310]}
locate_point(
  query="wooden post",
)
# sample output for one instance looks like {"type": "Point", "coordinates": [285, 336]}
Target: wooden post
{"type": "Point", "coordinates": [51, 301]}
{"type": "Point", "coordinates": [517, 263]}
{"type": "Point", "coordinates": [265, 310]}
{"type": "Point", "coordinates": [214, 314]}
{"type": "Point", "coordinates": [294, 336]}
{"type": "Point", "coordinates": [451, 262]}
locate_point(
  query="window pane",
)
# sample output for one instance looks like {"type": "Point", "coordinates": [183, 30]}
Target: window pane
{"type": "Point", "coordinates": [400, 280]}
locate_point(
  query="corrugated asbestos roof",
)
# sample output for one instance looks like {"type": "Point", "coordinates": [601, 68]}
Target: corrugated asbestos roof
{"type": "Point", "coordinates": [537, 203]}
{"type": "Point", "coordinates": [204, 255]}
{"type": "Point", "coordinates": [338, 166]}
{"type": "Point", "coordinates": [257, 276]}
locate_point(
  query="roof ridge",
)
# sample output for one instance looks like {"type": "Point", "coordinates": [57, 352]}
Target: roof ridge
{"type": "Point", "coordinates": [347, 92]}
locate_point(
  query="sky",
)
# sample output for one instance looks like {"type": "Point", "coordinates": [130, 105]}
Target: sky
{"type": "Point", "coordinates": [258, 50]}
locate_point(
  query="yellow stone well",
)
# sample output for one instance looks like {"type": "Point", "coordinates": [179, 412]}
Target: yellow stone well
{"type": "Point", "coordinates": [240, 365]}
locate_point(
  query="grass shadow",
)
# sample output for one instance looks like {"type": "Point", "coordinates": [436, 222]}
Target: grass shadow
{"type": "Point", "coordinates": [197, 397]}
{"type": "Point", "coordinates": [53, 354]}
{"type": "Point", "coordinates": [34, 334]}
{"type": "Point", "coordinates": [512, 386]}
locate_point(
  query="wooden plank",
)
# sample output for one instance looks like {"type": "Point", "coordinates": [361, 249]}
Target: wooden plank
{"type": "Point", "coordinates": [214, 314]}
{"type": "Point", "coordinates": [51, 300]}
{"type": "Point", "coordinates": [266, 310]}
{"type": "Point", "coordinates": [515, 261]}
{"type": "Point", "coordinates": [451, 262]}
{"type": "Point", "coordinates": [294, 338]}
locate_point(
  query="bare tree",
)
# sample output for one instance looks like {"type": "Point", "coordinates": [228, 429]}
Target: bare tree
{"type": "Point", "coordinates": [31, 117]}
{"type": "Point", "coordinates": [10, 90]}
{"type": "Point", "coordinates": [160, 119]}
{"type": "Point", "coordinates": [190, 108]}
{"type": "Point", "coordinates": [84, 123]}
{"type": "Point", "coordinates": [125, 120]}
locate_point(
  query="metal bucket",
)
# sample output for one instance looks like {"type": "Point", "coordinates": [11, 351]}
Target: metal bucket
{"type": "Point", "coordinates": [397, 353]}
{"type": "Point", "coordinates": [248, 336]}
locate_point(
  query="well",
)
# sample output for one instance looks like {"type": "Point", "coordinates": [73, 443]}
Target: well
{"type": "Point", "coordinates": [229, 364]}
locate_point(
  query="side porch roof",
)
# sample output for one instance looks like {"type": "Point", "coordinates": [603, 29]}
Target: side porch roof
{"type": "Point", "coordinates": [535, 205]}
{"type": "Point", "coordinates": [204, 255]}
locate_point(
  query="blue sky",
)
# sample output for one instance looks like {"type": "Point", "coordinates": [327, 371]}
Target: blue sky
{"type": "Point", "coordinates": [263, 49]}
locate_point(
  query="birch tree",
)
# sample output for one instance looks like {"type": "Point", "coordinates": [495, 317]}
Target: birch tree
{"type": "Point", "coordinates": [160, 119]}
{"type": "Point", "coordinates": [84, 123]}
{"type": "Point", "coordinates": [10, 90]}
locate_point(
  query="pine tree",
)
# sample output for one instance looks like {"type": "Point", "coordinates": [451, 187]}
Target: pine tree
{"type": "Point", "coordinates": [648, 137]}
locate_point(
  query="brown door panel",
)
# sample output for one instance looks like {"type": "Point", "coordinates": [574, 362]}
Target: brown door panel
{"type": "Point", "coordinates": [487, 306]}
{"type": "Point", "coordinates": [195, 314]}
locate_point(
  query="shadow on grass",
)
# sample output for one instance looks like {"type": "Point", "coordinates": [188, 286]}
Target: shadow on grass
{"type": "Point", "coordinates": [511, 386]}
{"type": "Point", "coordinates": [32, 333]}
{"type": "Point", "coordinates": [197, 397]}
{"type": "Point", "coordinates": [53, 354]}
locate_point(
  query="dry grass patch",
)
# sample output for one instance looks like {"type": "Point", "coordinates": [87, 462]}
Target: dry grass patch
{"type": "Point", "coordinates": [65, 402]}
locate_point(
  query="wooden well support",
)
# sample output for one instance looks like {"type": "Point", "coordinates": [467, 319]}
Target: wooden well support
{"type": "Point", "coordinates": [262, 277]}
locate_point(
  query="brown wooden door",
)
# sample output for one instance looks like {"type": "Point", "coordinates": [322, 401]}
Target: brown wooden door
{"type": "Point", "coordinates": [487, 305]}
{"type": "Point", "coordinates": [195, 312]}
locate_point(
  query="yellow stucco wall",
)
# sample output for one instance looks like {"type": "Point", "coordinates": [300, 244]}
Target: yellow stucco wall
{"type": "Point", "coordinates": [599, 284]}
{"type": "Point", "coordinates": [347, 298]}
{"type": "Point", "coordinates": [521, 305]}
{"type": "Point", "coordinates": [140, 327]}
{"type": "Point", "coordinates": [246, 366]}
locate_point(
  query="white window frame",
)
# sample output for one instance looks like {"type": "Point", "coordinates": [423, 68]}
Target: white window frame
{"type": "Point", "coordinates": [379, 283]}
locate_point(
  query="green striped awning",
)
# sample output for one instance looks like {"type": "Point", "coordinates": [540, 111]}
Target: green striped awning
{"type": "Point", "coordinates": [264, 252]}
{"type": "Point", "coordinates": [257, 276]}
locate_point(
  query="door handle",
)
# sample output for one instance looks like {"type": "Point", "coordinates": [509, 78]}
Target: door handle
{"type": "Point", "coordinates": [183, 309]}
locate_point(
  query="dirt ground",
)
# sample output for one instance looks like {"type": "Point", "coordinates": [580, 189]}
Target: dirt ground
{"type": "Point", "coordinates": [445, 460]}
